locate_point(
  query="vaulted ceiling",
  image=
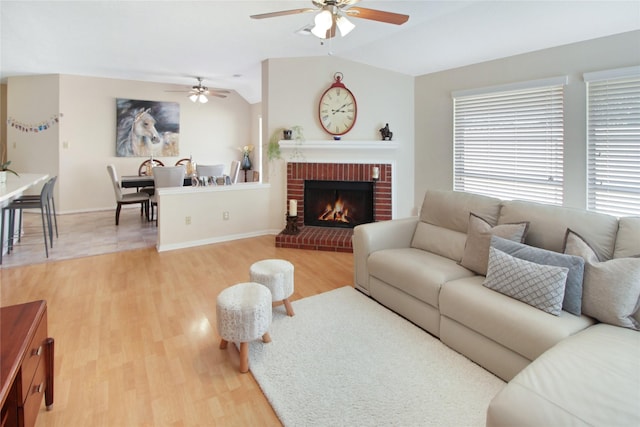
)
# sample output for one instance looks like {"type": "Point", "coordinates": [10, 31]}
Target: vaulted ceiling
{"type": "Point", "coordinates": [175, 41]}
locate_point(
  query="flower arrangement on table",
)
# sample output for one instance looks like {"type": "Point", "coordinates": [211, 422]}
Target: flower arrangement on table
{"type": "Point", "coordinates": [245, 164]}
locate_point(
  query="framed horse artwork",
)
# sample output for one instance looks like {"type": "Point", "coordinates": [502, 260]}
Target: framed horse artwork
{"type": "Point", "coordinates": [147, 128]}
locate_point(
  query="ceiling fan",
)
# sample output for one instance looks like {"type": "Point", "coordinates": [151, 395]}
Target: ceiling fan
{"type": "Point", "coordinates": [199, 93]}
{"type": "Point", "coordinates": [333, 14]}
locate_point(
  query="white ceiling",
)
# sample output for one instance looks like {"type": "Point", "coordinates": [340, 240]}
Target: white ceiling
{"type": "Point", "coordinates": [174, 41]}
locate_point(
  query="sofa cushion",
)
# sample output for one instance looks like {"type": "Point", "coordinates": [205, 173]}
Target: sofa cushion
{"type": "Point", "coordinates": [504, 320]}
{"type": "Point", "coordinates": [443, 220]}
{"type": "Point", "coordinates": [439, 240]}
{"type": "Point", "coordinates": [414, 271]}
{"type": "Point", "coordinates": [476, 248]}
{"type": "Point", "coordinates": [548, 223]}
{"type": "Point", "coordinates": [450, 209]}
{"type": "Point", "coordinates": [588, 379]}
{"type": "Point", "coordinates": [628, 237]}
{"type": "Point", "coordinates": [572, 301]}
{"type": "Point", "coordinates": [611, 289]}
{"type": "Point", "coordinates": [540, 286]}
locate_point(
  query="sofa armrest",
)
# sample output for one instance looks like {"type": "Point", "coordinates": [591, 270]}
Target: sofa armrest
{"type": "Point", "coordinates": [375, 236]}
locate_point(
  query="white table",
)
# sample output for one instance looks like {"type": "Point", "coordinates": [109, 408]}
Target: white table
{"type": "Point", "coordinates": [15, 187]}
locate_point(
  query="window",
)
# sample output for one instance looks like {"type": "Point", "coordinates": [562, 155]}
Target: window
{"type": "Point", "coordinates": [613, 141]}
{"type": "Point", "coordinates": [508, 141]}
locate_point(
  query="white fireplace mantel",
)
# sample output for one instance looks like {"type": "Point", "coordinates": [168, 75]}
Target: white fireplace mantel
{"type": "Point", "coordinates": [338, 145]}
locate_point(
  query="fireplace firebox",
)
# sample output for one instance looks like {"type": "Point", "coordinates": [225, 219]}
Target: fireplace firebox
{"type": "Point", "coordinates": [343, 204]}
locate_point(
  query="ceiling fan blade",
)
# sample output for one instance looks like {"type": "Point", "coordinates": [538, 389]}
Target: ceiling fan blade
{"type": "Point", "coordinates": [282, 13]}
{"type": "Point", "coordinates": [377, 15]}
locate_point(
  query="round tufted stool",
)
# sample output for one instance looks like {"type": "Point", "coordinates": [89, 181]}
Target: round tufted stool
{"type": "Point", "coordinates": [277, 275]}
{"type": "Point", "coordinates": [243, 313]}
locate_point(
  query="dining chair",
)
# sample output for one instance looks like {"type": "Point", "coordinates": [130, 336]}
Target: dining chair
{"type": "Point", "coordinates": [42, 203]}
{"type": "Point", "coordinates": [127, 198]}
{"type": "Point", "coordinates": [210, 170]}
{"type": "Point", "coordinates": [234, 171]}
{"type": "Point", "coordinates": [168, 176]}
{"type": "Point", "coordinates": [142, 169]}
{"type": "Point", "coordinates": [182, 161]}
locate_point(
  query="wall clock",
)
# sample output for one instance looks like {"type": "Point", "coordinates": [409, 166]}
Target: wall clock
{"type": "Point", "coordinates": [337, 109]}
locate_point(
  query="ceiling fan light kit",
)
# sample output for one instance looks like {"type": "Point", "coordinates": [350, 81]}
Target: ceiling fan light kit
{"type": "Point", "coordinates": [332, 14]}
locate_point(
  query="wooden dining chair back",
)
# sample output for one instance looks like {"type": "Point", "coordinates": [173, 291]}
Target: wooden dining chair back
{"type": "Point", "coordinates": [210, 170]}
{"type": "Point", "coordinates": [146, 165]}
{"type": "Point", "coordinates": [182, 161]}
{"type": "Point", "coordinates": [168, 176]}
{"type": "Point", "coordinates": [127, 198]}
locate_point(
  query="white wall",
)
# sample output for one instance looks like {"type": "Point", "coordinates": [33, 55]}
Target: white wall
{"type": "Point", "coordinates": [31, 101]}
{"type": "Point", "coordinates": [210, 132]}
{"type": "Point", "coordinates": [291, 93]}
{"type": "Point", "coordinates": [434, 106]}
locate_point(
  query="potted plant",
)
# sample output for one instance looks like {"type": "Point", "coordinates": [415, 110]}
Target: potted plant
{"type": "Point", "coordinates": [273, 147]}
{"type": "Point", "coordinates": [4, 166]}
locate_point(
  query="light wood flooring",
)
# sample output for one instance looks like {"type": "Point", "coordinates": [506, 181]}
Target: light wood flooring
{"type": "Point", "coordinates": [135, 332]}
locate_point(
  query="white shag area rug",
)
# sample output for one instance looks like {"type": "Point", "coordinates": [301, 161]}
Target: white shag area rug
{"type": "Point", "coordinates": [345, 360]}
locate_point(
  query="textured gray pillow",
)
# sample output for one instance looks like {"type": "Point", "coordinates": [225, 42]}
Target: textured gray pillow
{"type": "Point", "coordinates": [611, 289]}
{"type": "Point", "coordinates": [572, 301]}
{"type": "Point", "coordinates": [479, 232]}
{"type": "Point", "coordinates": [541, 286]}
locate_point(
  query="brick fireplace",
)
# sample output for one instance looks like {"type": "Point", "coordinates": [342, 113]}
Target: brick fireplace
{"type": "Point", "coordinates": [327, 238]}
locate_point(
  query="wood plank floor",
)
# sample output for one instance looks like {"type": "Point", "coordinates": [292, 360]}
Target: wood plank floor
{"type": "Point", "coordinates": [136, 338]}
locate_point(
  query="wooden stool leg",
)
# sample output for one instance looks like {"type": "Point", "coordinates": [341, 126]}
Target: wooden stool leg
{"type": "Point", "coordinates": [223, 344]}
{"type": "Point", "coordinates": [289, 307]}
{"type": "Point", "coordinates": [266, 337]}
{"type": "Point", "coordinates": [244, 357]}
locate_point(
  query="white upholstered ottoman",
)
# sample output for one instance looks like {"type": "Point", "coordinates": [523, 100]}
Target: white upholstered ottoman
{"type": "Point", "coordinates": [277, 275]}
{"type": "Point", "coordinates": [243, 314]}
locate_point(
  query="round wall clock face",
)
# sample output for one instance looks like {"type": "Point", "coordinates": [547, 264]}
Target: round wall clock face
{"type": "Point", "coordinates": [338, 109]}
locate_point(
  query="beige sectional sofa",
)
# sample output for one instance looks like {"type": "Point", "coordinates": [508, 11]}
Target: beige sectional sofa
{"type": "Point", "coordinates": [431, 270]}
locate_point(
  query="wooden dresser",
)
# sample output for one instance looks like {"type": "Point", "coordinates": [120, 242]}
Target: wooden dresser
{"type": "Point", "coordinates": [26, 363]}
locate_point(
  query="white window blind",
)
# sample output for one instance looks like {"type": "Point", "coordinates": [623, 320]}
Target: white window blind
{"type": "Point", "coordinates": [613, 147]}
{"type": "Point", "coordinates": [509, 143]}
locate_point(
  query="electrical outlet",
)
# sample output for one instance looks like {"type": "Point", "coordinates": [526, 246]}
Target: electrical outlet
{"type": "Point", "coordinates": [225, 215]}
{"type": "Point", "coordinates": [187, 220]}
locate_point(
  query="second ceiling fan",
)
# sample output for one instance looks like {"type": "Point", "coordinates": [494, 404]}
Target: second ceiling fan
{"type": "Point", "coordinates": [332, 15]}
{"type": "Point", "coordinates": [199, 92]}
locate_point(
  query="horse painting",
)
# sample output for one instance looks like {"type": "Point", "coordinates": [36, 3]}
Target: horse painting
{"type": "Point", "coordinates": [147, 128]}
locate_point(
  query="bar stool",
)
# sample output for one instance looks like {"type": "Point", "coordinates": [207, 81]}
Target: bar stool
{"type": "Point", "coordinates": [50, 200]}
{"type": "Point", "coordinates": [41, 203]}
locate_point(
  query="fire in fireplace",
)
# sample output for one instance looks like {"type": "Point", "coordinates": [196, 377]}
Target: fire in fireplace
{"type": "Point", "coordinates": [338, 203]}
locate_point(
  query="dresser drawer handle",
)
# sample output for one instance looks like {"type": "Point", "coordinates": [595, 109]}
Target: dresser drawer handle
{"type": "Point", "coordinates": [38, 388]}
{"type": "Point", "coordinates": [37, 352]}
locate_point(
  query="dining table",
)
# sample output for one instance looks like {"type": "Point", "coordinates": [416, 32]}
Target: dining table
{"type": "Point", "coordinates": [140, 181]}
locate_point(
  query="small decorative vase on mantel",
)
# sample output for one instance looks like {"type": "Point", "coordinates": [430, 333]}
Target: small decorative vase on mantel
{"type": "Point", "coordinates": [245, 164]}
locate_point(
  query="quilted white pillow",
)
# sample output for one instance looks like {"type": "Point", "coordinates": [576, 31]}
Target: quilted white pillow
{"type": "Point", "coordinates": [540, 286]}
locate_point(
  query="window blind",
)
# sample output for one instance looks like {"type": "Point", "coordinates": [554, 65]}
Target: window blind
{"type": "Point", "coordinates": [509, 144]}
{"type": "Point", "coordinates": [613, 147]}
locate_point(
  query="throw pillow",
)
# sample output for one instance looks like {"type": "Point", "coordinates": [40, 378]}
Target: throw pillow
{"type": "Point", "coordinates": [572, 301]}
{"type": "Point", "coordinates": [611, 289]}
{"type": "Point", "coordinates": [541, 286]}
{"type": "Point", "coordinates": [479, 232]}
